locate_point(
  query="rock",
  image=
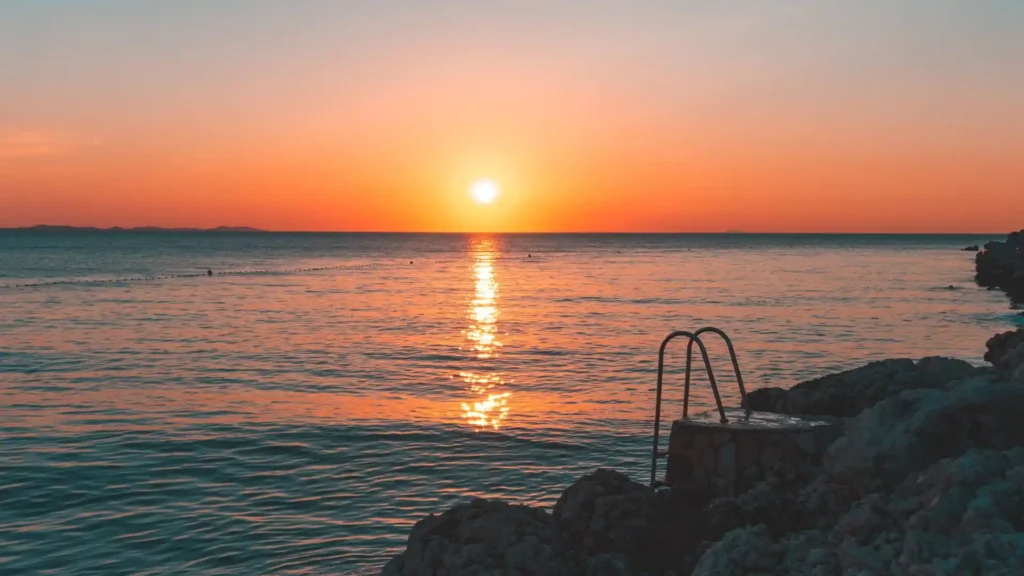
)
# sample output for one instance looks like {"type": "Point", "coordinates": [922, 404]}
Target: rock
{"type": "Point", "coordinates": [768, 503]}
{"type": "Point", "coordinates": [1001, 265]}
{"type": "Point", "coordinates": [970, 248]}
{"type": "Point", "coordinates": [605, 512]}
{"type": "Point", "coordinates": [394, 566]}
{"type": "Point", "coordinates": [937, 371]}
{"type": "Point", "coordinates": [848, 393]}
{"type": "Point", "coordinates": [1006, 352]}
{"type": "Point", "coordinates": [824, 501]}
{"type": "Point", "coordinates": [743, 551]}
{"type": "Point", "coordinates": [960, 515]}
{"type": "Point", "coordinates": [607, 565]}
{"type": "Point", "coordinates": [479, 536]}
{"type": "Point", "coordinates": [952, 510]}
{"type": "Point", "coordinates": [865, 520]}
{"type": "Point", "coordinates": [907, 433]}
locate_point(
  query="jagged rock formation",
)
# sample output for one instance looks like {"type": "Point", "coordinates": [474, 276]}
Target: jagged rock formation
{"type": "Point", "coordinates": [480, 537]}
{"type": "Point", "coordinates": [906, 433]}
{"type": "Point", "coordinates": [602, 524]}
{"type": "Point", "coordinates": [605, 512]}
{"type": "Point", "coordinates": [1006, 353]}
{"type": "Point", "coordinates": [848, 393]}
{"type": "Point", "coordinates": [959, 516]}
{"type": "Point", "coordinates": [1001, 265]}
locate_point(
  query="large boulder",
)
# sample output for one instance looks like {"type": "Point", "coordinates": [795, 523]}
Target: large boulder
{"type": "Point", "coordinates": [961, 515]}
{"type": "Point", "coordinates": [604, 511]}
{"type": "Point", "coordinates": [965, 513]}
{"type": "Point", "coordinates": [848, 393]}
{"type": "Point", "coordinates": [748, 550]}
{"type": "Point", "coordinates": [1001, 265]}
{"type": "Point", "coordinates": [769, 503]}
{"type": "Point", "coordinates": [484, 536]}
{"type": "Point", "coordinates": [753, 550]}
{"type": "Point", "coordinates": [906, 433]}
{"type": "Point", "coordinates": [604, 523]}
{"type": "Point", "coordinates": [1006, 353]}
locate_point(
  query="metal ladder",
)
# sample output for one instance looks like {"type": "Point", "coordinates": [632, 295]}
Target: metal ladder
{"type": "Point", "coordinates": [693, 337]}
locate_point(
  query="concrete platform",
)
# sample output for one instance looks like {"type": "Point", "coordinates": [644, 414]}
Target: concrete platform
{"type": "Point", "coordinates": [706, 455]}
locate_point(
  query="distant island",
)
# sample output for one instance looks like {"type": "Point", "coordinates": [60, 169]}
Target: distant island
{"type": "Point", "coordinates": [48, 228]}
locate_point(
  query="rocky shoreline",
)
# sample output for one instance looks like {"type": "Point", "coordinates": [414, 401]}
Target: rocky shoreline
{"type": "Point", "coordinates": [1001, 265]}
{"type": "Point", "coordinates": [925, 478]}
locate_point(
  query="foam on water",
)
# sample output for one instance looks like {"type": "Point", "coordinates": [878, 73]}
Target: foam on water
{"type": "Point", "coordinates": [302, 422]}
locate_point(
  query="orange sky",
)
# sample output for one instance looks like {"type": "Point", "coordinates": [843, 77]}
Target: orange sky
{"type": "Point", "coordinates": [609, 117]}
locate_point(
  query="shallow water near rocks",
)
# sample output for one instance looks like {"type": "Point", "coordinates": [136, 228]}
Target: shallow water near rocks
{"type": "Point", "coordinates": [301, 422]}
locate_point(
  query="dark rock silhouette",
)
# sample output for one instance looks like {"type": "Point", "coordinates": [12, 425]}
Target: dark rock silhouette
{"type": "Point", "coordinates": [928, 474]}
{"type": "Point", "coordinates": [1006, 353]}
{"type": "Point", "coordinates": [971, 248]}
{"type": "Point", "coordinates": [603, 524]}
{"type": "Point", "coordinates": [1001, 265]}
{"type": "Point", "coordinates": [949, 514]}
{"type": "Point", "coordinates": [848, 393]}
{"type": "Point", "coordinates": [480, 536]}
{"type": "Point", "coordinates": [909, 432]}
{"type": "Point", "coordinates": [605, 512]}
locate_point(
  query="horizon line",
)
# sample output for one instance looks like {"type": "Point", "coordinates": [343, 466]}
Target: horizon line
{"type": "Point", "coordinates": [227, 229]}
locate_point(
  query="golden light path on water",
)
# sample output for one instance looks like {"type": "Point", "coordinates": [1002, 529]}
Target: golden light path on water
{"type": "Point", "coordinates": [489, 407]}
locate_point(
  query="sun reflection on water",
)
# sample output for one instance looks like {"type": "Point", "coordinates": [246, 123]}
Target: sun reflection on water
{"type": "Point", "coordinates": [489, 408]}
{"type": "Point", "coordinates": [483, 309]}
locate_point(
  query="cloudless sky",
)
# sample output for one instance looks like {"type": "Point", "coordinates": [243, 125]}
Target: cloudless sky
{"type": "Point", "coordinates": [875, 115]}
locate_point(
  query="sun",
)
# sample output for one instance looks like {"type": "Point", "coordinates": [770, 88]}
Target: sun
{"type": "Point", "coordinates": [484, 191]}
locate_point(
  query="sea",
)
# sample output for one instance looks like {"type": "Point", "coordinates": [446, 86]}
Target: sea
{"type": "Point", "coordinates": [292, 403]}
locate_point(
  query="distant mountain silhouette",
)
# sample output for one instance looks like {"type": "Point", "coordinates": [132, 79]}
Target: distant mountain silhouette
{"type": "Point", "coordinates": [49, 228]}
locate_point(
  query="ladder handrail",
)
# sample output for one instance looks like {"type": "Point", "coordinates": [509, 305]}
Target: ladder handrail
{"type": "Point", "coordinates": [661, 371]}
{"type": "Point", "coordinates": [735, 367]}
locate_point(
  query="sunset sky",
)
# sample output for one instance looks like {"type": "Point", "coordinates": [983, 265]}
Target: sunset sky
{"type": "Point", "coordinates": [589, 115]}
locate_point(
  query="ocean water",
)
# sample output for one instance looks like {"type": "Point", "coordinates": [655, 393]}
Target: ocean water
{"type": "Point", "coordinates": [279, 419]}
